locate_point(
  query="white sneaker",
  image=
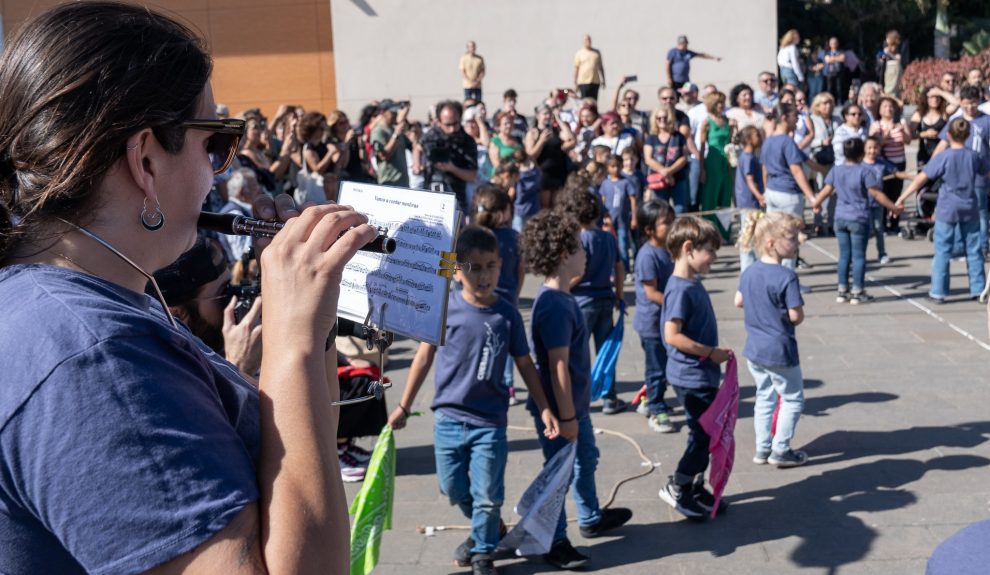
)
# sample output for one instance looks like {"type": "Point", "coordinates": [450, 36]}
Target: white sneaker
{"type": "Point", "coordinates": [884, 260]}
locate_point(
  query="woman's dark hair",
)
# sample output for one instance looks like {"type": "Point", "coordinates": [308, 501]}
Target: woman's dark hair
{"type": "Point", "coordinates": [736, 91]}
{"type": "Point", "coordinates": [475, 239]}
{"type": "Point", "coordinates": [923, 106]}
{"type": "Point", "coordinates": [546, 238]}
{"type": "Point", "coordinates": [853, 149]}
{"type": "Point", "coordinates": [75, 83]}
{"type": "Point", "coordinates": [848, 108]}
{"type": "Point", "coordinates": [310, 124]}
{"type": "Point", "coordinates": [652, 212]}
{"type": "Point", "coordinates": [580, 204]}
{"type": "Point", "coordinates": [894, 103]}
{"type": "Point", "coordinates": [367, 113]}
{"type": "Point", "coordinates": [490, 201]}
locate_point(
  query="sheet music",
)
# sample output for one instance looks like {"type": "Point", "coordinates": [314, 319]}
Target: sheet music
{"type": "Point", "coordinates": [424, 224]}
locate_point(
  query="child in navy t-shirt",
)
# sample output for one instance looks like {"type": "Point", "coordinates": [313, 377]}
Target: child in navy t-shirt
{"type": "Point", "coordinates": [957, 212]}
{"type": "Point", "coordinates": [854, 184]}
{"type": "Point", "coordinates": [599, 288]}
{"type": "Point", "coordinates": [653, 268]}
{"type": "Point", "coordinates": [749, 184]}
{"type": "Point", "coordinates": [690, 334]}
{"type": "Point", "coordinates": [472, 401]}
{"type": "Point", "coordinates": [551, 245]}
{"type": "Point", "coordinates": [771, 299]}
{"type": "Point", "coordinates": [617, 194]}
{"type": "Point", "coordinates": [492, 208]}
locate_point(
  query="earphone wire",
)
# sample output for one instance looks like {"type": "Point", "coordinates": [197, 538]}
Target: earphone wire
{"type": "Point", "coordinates": [106, 244]}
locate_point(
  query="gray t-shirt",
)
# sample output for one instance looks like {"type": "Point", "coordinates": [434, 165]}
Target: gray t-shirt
{"type": "Point", "coordinates": [470, 366]}
{"type": "Point", "coordinates": [124, 442]}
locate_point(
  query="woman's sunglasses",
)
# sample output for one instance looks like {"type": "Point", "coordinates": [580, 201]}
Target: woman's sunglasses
{"type": "Point", "coordinates": [222, 145]}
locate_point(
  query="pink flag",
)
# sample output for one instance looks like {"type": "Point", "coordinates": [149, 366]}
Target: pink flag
{"type": "Point", "coordinates": [719, 422]}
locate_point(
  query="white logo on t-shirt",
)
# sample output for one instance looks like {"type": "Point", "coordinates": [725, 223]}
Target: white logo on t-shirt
{"type": "Point", "coordinates": [493, 347]}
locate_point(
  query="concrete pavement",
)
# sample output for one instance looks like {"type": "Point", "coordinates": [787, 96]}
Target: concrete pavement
{"type": "Point", "coordinates": [895, 422]}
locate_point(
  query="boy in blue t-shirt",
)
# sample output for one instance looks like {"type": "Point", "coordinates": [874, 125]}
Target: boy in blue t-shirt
{"type": "Point", "coordinates": [957, 210]}
{"type": "Point", "coordinates": [653, 268]}
{"type": "Point", "coordinates": [883, 170]}
{"type": "Point", "coordinates": [619, 196]}
{"type": "Point", "coordinates": [599, 288]}
{"type": "Point", "coordinates": [472, 400]}
{"type": "Point", "coordinates": [552, 246]}
{"type": "Point", "coordinates": [690, 334]}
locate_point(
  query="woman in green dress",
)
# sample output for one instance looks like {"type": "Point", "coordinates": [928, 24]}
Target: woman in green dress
{"type": "Point", "coordinates": [717, 132]}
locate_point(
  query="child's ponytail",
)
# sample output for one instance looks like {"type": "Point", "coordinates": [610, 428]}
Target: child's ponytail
{"type": "Point", "coordinates": [748, 232]}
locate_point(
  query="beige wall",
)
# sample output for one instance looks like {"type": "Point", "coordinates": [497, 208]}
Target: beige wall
{"type": "Point", "coordinates": [266, 52]}
{"type": "Point", "coordinates": [410, 50]}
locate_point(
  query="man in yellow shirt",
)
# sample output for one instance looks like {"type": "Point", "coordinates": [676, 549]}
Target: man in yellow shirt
{"type": "Point", "coordinates": [472, 72]}
{"type": "Point", "coordinates": [589, 73]}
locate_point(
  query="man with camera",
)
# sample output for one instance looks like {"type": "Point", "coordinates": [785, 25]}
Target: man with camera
{"type": "Point", "coordinates": [388, 140]}
{"type": "Point", "coordinates": [451, 154]}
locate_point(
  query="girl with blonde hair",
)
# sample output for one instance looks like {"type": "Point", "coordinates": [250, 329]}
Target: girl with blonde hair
{"type": "Point", "coordinates": [789, 59]}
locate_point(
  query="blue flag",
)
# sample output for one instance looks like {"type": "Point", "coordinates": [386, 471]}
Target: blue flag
{"type": "Point", "coordinates": [603, 372]}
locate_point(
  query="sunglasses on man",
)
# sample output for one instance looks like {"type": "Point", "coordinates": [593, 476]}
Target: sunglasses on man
{"type": "Point", "coordinates": [222, 145]}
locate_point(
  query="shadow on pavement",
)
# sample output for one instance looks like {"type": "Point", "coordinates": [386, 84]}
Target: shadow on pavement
{"type": "Point", "coordinates": [799, 509]}
{"type": "Point", "coordinates": [419, 460]}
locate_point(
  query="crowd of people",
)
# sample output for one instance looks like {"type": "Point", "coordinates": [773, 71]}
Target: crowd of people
{"type": "Point", "coordinates": [229, 432]}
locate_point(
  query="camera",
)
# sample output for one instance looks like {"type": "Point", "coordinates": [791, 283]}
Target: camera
{"type": "Point", "coordinates": [245, 292]}
{"type": "Point", "coordinates": [438, 152]}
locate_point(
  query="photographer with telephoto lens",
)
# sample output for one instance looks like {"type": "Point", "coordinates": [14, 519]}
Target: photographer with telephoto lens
{"type": "Point", "coordinates": [451, 157]}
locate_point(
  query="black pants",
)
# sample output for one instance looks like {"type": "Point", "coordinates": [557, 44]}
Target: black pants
{"type": "Point", "coordinates": [588, 90]}
{"type": "Point", "coordinates": [892, 188]}
{"type": "Point", "coordinates": [695, 402]}
{"type": "Point", "coordinates": [838, 86]}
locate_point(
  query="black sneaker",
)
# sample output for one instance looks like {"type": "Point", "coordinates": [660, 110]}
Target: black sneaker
{"type": "Point", "coordinates": [462, 555]}
{"type": "Point", "coordinates": [482, 564]}
{"type": "Point", "coordinates": [611, 518]}
{"type": "Point", "coordinates": [706, 499]}
{"type": "Point", "coordinates": [681, 498]}
{"type": "Point", "coordinates": [563, 555]}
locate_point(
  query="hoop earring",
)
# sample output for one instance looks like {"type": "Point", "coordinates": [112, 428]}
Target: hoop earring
{"type": "Point", "coordinates": [156, 221]}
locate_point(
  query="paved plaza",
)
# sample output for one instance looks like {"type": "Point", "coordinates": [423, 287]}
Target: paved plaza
{"type": "Point", "coordinates": [895, 423]}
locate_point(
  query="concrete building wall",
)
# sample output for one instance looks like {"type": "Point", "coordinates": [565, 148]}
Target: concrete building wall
{"type": "Point", "coordinates": [266, 52]}
{"type": "Point", "coordinates": [409, 49]}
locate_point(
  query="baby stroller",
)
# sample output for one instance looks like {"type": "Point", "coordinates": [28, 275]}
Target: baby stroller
{"type": "Point", "coordinates": [922, 221]}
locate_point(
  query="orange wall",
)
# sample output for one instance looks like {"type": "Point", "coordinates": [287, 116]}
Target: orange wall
{"type": "Point", "coordinates": [266, 52]}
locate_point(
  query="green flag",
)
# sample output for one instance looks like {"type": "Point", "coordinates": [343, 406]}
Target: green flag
{"type": "Point", "coordinates": [372, 508]}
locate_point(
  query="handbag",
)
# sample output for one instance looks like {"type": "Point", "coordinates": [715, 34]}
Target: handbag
{"type": "Point", "coordinates": [657, 181]}
{"type": "Point", "coordinates": [309, 186]}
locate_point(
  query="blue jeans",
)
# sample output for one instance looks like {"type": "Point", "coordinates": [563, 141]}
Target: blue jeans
{"type": "Point", "coordinates": [583, 482]}
{"type": "Point", "coordinates": [694, 180]}
{"type": "Point", "coordinates": [695, 458]}
{"type": "Point", "coordinates": [945, 236]}
{"type": "Point", "coordinates": [472, 94]}
{"type": "Point", "coordinates": [981, 203]}
{"type": "Point", "coordinates": [771, 382]}
{"type": "Point", "coordinates": [878, 219]}
{"type": "Point", "coordinates": [676, 196]}
{"type": "Point", "coordinates": [852, 238]}
{"type": "Point", "coordinates": [471, 471]}
{"type": "Point", "coordinates": [598, 317]}
{"type": "Point", "coordinates": [625, 243]}
{"type": "Point", "coordinates": [788, 76]}
{"type": "Point", "coordinates": [656, 377]}
{"type": "Point", "coordinates": [790, 203]}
